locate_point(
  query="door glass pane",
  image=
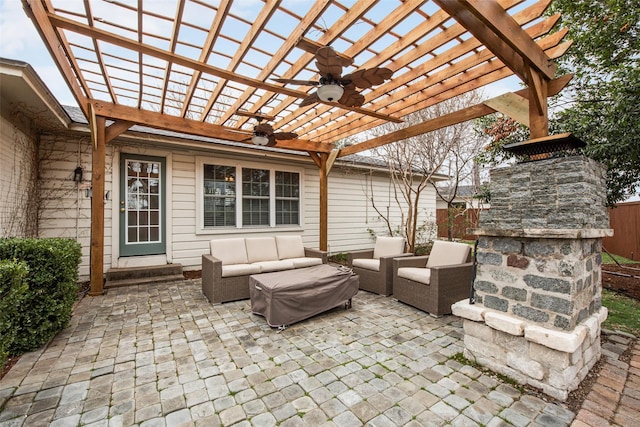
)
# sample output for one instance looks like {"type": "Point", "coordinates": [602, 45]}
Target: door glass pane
{"type": "Point", "coordinates": [143, 202]}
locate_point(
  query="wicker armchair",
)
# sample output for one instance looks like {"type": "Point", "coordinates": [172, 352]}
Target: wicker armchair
{"type": "Point", "coordinates": [375, 266]}
{"type": "Point", "coordinates": [432, 283]}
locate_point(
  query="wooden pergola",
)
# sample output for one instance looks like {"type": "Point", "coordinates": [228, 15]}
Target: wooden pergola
{"type": "Point", "coordinates": [203, 68]}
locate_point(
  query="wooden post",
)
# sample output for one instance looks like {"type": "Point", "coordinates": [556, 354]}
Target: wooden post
{"type": "Point", "coordinates": [324, 201]}
{"type": "Point", "coordinates": [98, 131]}
{"type": "Point", "coordinates": [538, 105]}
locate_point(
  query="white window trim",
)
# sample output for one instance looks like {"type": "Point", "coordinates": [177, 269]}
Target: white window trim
{"type": "Point", "coordinates": [239, 228]}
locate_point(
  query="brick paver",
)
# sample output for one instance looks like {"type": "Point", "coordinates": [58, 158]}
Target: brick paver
{"type": "Point", "coordinates": [614, 399]}
{"type": "Point", "coordinates": [161, 354]}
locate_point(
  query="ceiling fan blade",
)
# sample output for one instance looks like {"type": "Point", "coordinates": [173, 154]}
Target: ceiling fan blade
{"type": "Point", "coordinates": [351, 98]}
{"type": "Point", "coordinates": [329, 63]}
{"type": "Point", "coordinates": [258, 116]}
{"type": "Point", "coordinates": [285, 135]}
{"type": "Point", "coordinates": [297, 82]}
{"type": "Point", "coordinates": [368, 77]}
{"type": "Point", "coordinates": [311, 99]}
{"type": "Point", "coordinates": [272, 141]}
{"type": "Point", "coordinates": [263, 128]}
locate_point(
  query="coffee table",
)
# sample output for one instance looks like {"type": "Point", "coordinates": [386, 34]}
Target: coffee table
{"type": "Point", "coordinates": [286, 297]}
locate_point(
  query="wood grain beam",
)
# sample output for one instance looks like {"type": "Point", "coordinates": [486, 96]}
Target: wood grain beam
{"type": "Point", "coordinates": [58, 50]}
{"type": "Point", "coordinates": [98, 161]}
{"type": "Point", "coordinates": [512, 105]}
{"type": "Point", "coordinates": [193, 127]}
{"type": "Point", "coordinates": [501, 34]}
{"type": "Point", "coordinates": [415, 88]}
{"type": "Point", "coordinates": [469, 113]}
{"type": "Point", "coordinates": [96, 33]}
{"type": "Point", "coordinates": [116, 128]}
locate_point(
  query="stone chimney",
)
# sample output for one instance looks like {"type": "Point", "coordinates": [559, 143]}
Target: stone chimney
{"type": "Point", "coordinates": [538, 308]}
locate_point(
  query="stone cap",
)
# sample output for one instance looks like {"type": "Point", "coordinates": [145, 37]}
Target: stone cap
{"type": "Point", "coordinates": [545, 233]}
{"type": "Point", "coordinates": [567, 342]}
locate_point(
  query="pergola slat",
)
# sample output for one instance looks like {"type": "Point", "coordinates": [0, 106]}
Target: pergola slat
{"type": "Point", "coordinates": [437, 49]}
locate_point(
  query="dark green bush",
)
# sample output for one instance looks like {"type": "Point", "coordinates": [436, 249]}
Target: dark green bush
{"type": "Point", "coordinates": [13, 290]}
{"type": "Point", "coordinates": [52, 280]}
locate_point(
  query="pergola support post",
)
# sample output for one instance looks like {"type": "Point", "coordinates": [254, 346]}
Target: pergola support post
{"type": "Point", "coordinates": [98, 132]}
{"type": "Point", "coordinates": [324, 202]}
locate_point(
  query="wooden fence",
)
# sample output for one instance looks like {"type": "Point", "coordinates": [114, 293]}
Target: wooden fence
{"type": "Point", "coordinates": [468, 219]}
{"type": "Point", "coordinates": [625, 221]}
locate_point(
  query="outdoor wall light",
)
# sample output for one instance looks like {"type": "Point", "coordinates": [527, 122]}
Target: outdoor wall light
{"type": "Point", "coordinates": [330, 92]}
{"type": "Point", "coordinates": [259, 140]}
{"type": "Point", "coordinates": [77, 174]}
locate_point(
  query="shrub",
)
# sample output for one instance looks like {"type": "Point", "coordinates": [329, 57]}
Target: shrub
{"type": "Point", "coordinates": [13, 289]}
{"type": "Point", "coordinates": [52, 280]}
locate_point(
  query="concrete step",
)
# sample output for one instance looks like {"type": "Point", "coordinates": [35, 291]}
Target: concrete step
{"type": "Point", "coordinates": [143, 275]}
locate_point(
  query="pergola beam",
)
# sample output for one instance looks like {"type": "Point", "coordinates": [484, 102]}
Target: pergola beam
{"type": "Point", "coordinates": [450, 119]}
{"type": "Point", "coordinates": [501, 34]}
{"type": "Point", "coordinates": [193, 127]}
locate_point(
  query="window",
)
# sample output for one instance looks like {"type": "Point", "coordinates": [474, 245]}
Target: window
{"type": "Point", "coordinates": [287, 198]}
{"type": "Point", "coordinates": [255, 197]}
{"type": "Point", "coordinates": [219, 196]}
{"type": "Point", "coordinates": [246, 196]}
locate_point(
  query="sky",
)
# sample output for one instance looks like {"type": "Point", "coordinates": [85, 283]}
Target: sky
{"type": "Point", "coordinates": [19, 40]}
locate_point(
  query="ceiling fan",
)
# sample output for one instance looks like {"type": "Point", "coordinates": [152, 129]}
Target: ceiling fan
{"type": "Point", "coordinates": [333, 87]}
{"type": "Point", "coordinates": [263, 133]}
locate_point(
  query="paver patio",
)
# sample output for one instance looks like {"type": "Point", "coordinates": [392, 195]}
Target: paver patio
{"type": "Point", "coordinates": [162, 355]}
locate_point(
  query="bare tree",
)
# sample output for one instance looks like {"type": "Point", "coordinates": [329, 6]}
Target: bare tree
{"type": "Point", "coordinates": [414, 162]}
{"type": "Point", "coordinates": [460, 168]}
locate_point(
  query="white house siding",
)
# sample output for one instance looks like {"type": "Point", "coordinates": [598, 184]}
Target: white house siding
{"type": "Point", "coordinates": [351, 213]}
{"type": "Point", "coordinates": [17, 178]}
{"type": "Point", "coordinates": [66, 205]}
{"type": "Point", "coordinates": [67, 211]}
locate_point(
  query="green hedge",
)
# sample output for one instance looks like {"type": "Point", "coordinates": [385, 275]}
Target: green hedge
{"type": "Point", "coordinates": [52, 288]}
{"type": "Point", "coordinates": [13, 290]}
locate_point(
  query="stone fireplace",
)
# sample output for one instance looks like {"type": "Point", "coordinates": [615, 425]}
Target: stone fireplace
{"type": "Point", "coordinates": [538, 309]}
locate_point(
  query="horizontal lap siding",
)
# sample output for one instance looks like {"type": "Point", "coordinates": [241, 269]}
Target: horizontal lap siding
{"type": "Point", "coordinates": [66, 209]}
{"type": "Point", "coordinates": [350, 213]}
{"type": "Point", "coordinates": [17, 177]}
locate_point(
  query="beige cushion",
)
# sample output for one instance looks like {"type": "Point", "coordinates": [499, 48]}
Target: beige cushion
{"type": "Point", "coordinates": [239, 270]}
{"type": "Point", "coordinates": [388, 246]}
{"type": "Point", "coordinates": [290, 247]}
{"type": "Point", "coordinates": [229, 251]}
{"type": "Point", "coordinates": [261, 249]}
{"type": "Point", "coordinates": [277, 265]}
{"type": "Point", "coordinates": [367, 263]}
{"type": "Point", "coordinates": [448, 253]}
{"type": "Point", "coordinates": [305, 262]}
{"type": "Point", "coordinates": [417, 274]}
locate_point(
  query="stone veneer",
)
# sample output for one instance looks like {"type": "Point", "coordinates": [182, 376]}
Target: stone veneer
{"type": "Point", "coordinates": [538, 282]}
{"type": "Point", "coordinates": [554, 361]}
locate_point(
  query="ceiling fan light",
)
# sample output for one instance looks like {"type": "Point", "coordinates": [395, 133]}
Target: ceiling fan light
{"type": "Point", "coordinates": [260, 140]}
{"type": "Point", "coordinates": [330, 93]}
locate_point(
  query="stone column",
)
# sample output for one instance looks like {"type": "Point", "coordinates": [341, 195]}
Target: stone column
{"type": "Point", "coordinates": [538, 306]}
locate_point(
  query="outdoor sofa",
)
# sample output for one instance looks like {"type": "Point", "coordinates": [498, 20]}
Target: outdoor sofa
{"type": "Point", "coordinates": [226, 271]}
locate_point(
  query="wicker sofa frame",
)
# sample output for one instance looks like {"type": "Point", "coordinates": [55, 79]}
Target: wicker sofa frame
{"type": "Point", "coordinates": [220, 289]}
{"type": "Point", "coordinates": [448, 284]}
